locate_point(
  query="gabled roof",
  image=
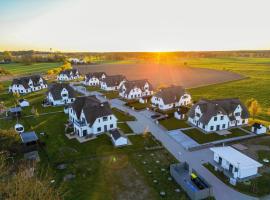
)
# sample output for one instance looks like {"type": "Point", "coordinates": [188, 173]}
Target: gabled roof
{"type": "Point", "coordinates": [114, 80]}
{"type": "Point", "coordinates": [115, 134]}
{"type": "Point", "coordinates": [69, 72]}
{"type": "Point", "coordinates": [210, 108]}
{"type": "Point", "coordinates": [97, 75]}
{"type": "Point", "coordinates": [91, 107]}
{"type": "Point", "coordinates": [258, 126]}
{"type": "Point", "coordinates": [25, 81]}
{"type": "Point", "coordinates": [129, 85]}
{"type": "Point", "coordinates": [56, 89]}
{"type": "Point", "coordinates": [171, 94]}
{"type": "Point", "coordinates": [235, 157]}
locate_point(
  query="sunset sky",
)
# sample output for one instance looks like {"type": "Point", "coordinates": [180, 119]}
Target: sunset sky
{"type": "Point", "coordinates": [134, 25]}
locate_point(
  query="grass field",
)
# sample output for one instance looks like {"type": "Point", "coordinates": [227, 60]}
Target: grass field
{"type": "Point", "coordinates": [121, 116]}
{"type": "Point", "coordinates": [173, 123]}
{"type": "Point", "coordinates": [257, 71]}
{"type": "Point", "coordinates": [22, 69]}
{"type": "Point", "coordinates": [203, 138]}
{"type": "Point", "coordinates": [102, 171]}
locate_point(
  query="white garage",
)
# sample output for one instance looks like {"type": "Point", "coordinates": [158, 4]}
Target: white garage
{"type": "Point", "coordinates": [118, 139]}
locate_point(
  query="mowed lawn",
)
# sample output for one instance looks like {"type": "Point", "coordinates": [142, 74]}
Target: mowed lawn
{"type": "Point", "coordinates": [102, 171]}
{"type": "Point", "coordinates": [256, 85]}
{"type": "Point", "coordinates": [22, 69]}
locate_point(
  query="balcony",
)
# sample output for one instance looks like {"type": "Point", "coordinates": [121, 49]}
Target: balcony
{"type": "Point", "coordinates": [79, 123]}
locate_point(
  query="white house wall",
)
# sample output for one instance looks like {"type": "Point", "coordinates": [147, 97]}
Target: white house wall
{"type": "Point", "coordinates": [242, 172]}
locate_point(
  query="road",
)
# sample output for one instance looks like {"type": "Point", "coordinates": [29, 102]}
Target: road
{"type": "Point", "coordinates": [195, 159]}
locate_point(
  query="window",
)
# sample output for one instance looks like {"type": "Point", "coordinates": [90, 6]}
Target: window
{"type": "Point", "coordinates": [221, 117]}
{"type": "Point", "coordinates": [110, 117]}
{"type": "Point", "coordinates": [236, 169]}
{"type": "Point", "coordinates": [203, 126]}
{"type": "Point", "coordinates": [105, 119]}
{"type": "Point", "coordinates": [98, 129]}
{"type": "Point", "coordinates": [224, 125]}
{"type": "Point", "coordinates": [111, 125]}
{"type": "Point", "coordinates": [215, 118]}
{"type": "Point", "coordinates": [98, 120]}
{"type": "Point", "coordinates": [237, 114]}
{"type": "Point", "coordinates": [212, 128]}
{"type": "Point", "coordinates": [198, 115]}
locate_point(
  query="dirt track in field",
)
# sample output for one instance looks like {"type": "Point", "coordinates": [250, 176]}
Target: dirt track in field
{"type": "Point", "coordinates": [161, 75]}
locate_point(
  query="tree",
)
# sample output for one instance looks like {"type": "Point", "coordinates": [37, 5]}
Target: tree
{"type": "Point", "coordinates": [254, 108]}
{"type": "Point", "coordinates": [7, 56]}
{"type": "Point", "coordinates": [34, 111]}
{"type": "Point", "coordinates": [50, 72]}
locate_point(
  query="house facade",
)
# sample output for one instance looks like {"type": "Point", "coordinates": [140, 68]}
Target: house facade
{"type": "Point", "coordinates": [112, 83]}
{"type": "Point", "coordinates": [68, 75]}
{"type": "Point", "coordinates": [93, 79]}
{"type": "Point", "coordinates": [28, 84]}
{"type": "Point", "coordinates": [171, 97]}
{"type": "Point", "coordinates": [60, 94]}
{"type": "Point", "coordinates": [221, 114]}
{"type": "Point", "coordinates": [235, 164]}
{"type": "Point", "coordinates": [118, 139]}
{"type": "Point", "coordinates": [91, 117]}
{"type": "Point", "coordinates": [136, 89]}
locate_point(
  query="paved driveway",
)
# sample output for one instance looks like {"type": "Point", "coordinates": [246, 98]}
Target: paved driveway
{"type": "Point", "coordinates": [182, 139]}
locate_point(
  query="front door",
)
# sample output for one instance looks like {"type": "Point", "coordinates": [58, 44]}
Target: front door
{"type": "Point", "coordinates": [84, 132]}
{"type": "Point", "coordinates": [218, 127]}
{"type": "Point", "coordinates": [220, 160]}
{"type": "Point", "coordinates": [231, 168]}
{"type": "Point", "coordinates": [105, 128]}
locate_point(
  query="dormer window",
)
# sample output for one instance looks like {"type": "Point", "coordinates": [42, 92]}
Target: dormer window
{"type": "Point", "coordinates": [215, 118]}
{"type": "Point", "coordinates": [198, 115]}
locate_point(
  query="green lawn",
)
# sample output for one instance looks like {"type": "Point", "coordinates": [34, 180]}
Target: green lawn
{"type": "Point", "coordinates": [110, 94]}
{"type": "Point", "coordinates": [255, 86]}
{"type": "Point", "coordinates": [121, 116]}
{"type": "Point", "coordinates": [137, 105]}
{"type": "Point", "coordinates": [92, 88]}
{"type": "Point", "coordinates": [173, 123]}
{"type": "Point", "coordinates": [255, 187]}
{"type": "Point", "coordinates": [35, 99]}
{"type": "Point", "coordinates": [102, 171]}
{"type": "Point", "coordinates": [202, 138]}
{"type": "Point", "coordinates": [124, 127]}
{"type": "Point", "coordinates": [22, 69]}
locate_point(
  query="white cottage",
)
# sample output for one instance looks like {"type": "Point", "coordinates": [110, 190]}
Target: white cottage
{"type": "Point", "coordinates": [24, 103]}
{"type": "Point", "coordinates": [220, 114]}
{"type": "Point", "coordinates": [170, 97]}
{"type": "Point", "coordinates": [112, 83]}
{"type": "Point", "coordinates": [235, 164]}
{"type": "Point", "coordinates": [136, 89]}
{"type": "Point", "coordinates": [27, 84]}
{"type": "Point", "coordinates": [91, 117]}
{"type": "Point", "coordinates": [94, 78]}
{"type": "Point", "coordinates": [60, 94]}
{"type": "Point", "coordinates": [68, 75]}
{"type": "Point", "coordinates": [258, 129]}
{"type": "Point", "coordinates": [118, 139]}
